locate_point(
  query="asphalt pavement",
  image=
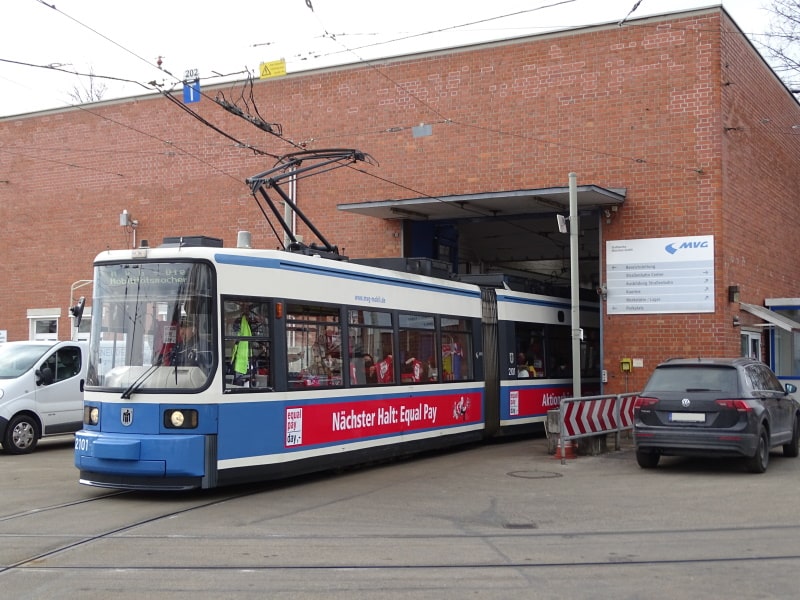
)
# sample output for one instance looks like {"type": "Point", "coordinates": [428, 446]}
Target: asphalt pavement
{"type": "Point", "coordinates": [500, 520]}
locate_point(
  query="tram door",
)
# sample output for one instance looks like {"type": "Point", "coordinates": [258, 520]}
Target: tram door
{"type": "Point", "coordinates": [751, 344]}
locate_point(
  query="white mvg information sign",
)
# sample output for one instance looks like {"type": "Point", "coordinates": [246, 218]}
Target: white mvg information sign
{"type": "Point", "coordinates": [660, 275]}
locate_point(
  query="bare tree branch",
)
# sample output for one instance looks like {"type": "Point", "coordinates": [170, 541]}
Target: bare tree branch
{"type": "Point", "coordinates": [782, 42]}
{"type": "Point", "coordinates": [90, 90]}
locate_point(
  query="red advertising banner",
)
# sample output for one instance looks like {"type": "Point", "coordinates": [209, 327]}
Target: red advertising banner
{"type": "Point", "coordinates": [346, 421]}
{"type": "Point", "coordinates": [532, 401]}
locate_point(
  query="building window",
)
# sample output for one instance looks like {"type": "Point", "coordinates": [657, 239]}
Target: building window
{"type": "Point", "coordinates": [43, 328]}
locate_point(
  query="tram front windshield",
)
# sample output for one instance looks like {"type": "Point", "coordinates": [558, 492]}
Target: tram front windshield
{"type": "Point", "coordinates": [152, 326]}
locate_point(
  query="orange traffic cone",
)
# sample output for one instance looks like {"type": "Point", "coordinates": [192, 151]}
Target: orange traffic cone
{"type": "Point", "coordinates": [569, 450]}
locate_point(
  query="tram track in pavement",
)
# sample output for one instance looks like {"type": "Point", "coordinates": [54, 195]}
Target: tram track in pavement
{"type": "Point", "coordinates": [44, 509]}
{"type": "Point", "coordinates": [513, 537]}
{"type": "Point", "coordinates": [351, 563]}
{"type": "Point", "coordinates": [85, 540]}
{"type": "Point", "coordinates": [419, 527]}
{"type": "Point", "coordinates": [728, 555]}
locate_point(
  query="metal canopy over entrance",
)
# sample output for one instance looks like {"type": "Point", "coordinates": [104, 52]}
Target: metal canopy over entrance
{"type": "Point", "coordinates": [488, 204]}
{"type": "Point", "coordinates": [513, 232]}
{"type": "Point", "coordinates": [770, 316]}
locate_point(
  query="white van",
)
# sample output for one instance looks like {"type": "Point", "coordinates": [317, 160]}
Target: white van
{"type": "Point", "coordinates": [41, 391]}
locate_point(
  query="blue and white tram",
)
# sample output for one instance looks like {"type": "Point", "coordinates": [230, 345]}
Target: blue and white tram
{"type": "Point", "coordinates": [212, 366]}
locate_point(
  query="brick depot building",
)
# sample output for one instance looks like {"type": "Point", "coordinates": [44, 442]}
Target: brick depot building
{"type": "Point", "coordinates": [679, 134]}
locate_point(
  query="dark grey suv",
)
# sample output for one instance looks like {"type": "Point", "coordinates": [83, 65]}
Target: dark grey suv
{"type": "Point", "coordinates": [715, 407]}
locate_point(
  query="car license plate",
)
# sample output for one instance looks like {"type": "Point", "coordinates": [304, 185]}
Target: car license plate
{"type": "Point", "coordinates": [687, 417]}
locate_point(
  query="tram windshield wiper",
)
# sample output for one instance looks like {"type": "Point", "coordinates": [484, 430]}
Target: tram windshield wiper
{"type": "Point", "coordinates": [137, 383]}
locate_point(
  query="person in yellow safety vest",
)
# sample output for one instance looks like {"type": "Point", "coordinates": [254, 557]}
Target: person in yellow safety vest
{"type": "Point", "coordinates": [240, 356]}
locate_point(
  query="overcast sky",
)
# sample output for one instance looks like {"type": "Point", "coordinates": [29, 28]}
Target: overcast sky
{"type": "Point", "coordinates": [120, 42]}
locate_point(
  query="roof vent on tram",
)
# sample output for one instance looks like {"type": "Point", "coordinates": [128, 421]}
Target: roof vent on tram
{"type": "Point", "coordinates": [191, 240]}
{"type": "Point", "coordinates": [244, 240]}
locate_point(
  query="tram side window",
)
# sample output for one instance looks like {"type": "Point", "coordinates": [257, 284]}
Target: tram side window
{"type": "Point", "coordinates": [559, 363]}
{"type": "Point", "coordinates": [371, 347]}
{"type": "Point", "coordinates": [247, 344]}
{"type": "Point", "coordinates": [590, 352]}
{"type": "Point", "coordinates": [417, 348]}
{"type": "Point", "coordinates": [456, 356]}
{"type": "Point", "coordinates": [314, 344]}
{"type": "Point", "coordinates": [559, 359]}
{"type": "Point", "coordinates": [530, 350]}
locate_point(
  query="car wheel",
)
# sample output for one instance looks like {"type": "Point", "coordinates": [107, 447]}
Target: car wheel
{"type": "Point", "coordinates": [22, 435]}
{"type": "Point", "coordinates": [792, 449]}
{"type": "Point", "coordinates": [759, 461]}
{"type": "Point", "coordinates": [647, 460]}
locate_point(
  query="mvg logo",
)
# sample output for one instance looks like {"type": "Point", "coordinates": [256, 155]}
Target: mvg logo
{"type": "Point", "coordinates": [673, 248]}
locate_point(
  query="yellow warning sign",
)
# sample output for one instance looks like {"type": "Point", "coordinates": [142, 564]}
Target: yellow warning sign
{"type": "Point", "coordinates": [274, 68]}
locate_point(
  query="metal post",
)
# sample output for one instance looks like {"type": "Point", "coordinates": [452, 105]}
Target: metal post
{"type": "Point", "coordinates": [574, 232]}
{"type": "Point", "coordinates": [561, 431]}
{"type": "Point", "coordinates": [288, 213]}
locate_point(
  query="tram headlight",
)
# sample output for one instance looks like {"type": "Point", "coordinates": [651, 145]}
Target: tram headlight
{"type": "Point", "coordinates": [180, 418]}
{"type": "Point", "coordinates": [176, 418]}
{"type": "Point", "coordinates": [91, 415]}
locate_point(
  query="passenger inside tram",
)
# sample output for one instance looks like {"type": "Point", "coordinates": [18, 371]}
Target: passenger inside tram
{"type": "Point", "coordinates": [523, 369]}
{"type": "Point", "coordinates": [385, 369]}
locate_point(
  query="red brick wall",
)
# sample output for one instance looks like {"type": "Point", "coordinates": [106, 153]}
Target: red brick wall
{"type": "Point", "coordinates": [642, 107]}
{"type": "Point", "coordinates": [761, 183]}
